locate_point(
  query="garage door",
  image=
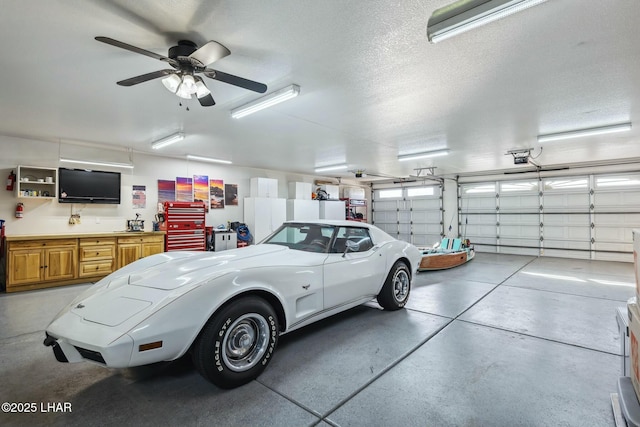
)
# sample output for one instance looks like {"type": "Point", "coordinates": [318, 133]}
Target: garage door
{"type": "Point", "coordinates": [589, 217]}
{"type": "Point", "coordinates": [477, 214]}
{"type": "Point", "coordinates": [412, 214]}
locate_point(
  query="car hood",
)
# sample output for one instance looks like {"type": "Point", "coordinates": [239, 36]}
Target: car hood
{"type": "Point", "coordinates": [173, 270]}
{"type": "Point", "coordinates": [155, 281]}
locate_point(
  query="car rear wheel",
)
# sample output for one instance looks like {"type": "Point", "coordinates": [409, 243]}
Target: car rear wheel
{"type": "Point", "coordinates": [395, 291]}
{"type": "Point", "coordinates": [237, 343]}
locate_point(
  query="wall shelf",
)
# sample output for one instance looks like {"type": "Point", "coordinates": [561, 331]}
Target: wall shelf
{"type": "Point", "coordinates": [34, 182]}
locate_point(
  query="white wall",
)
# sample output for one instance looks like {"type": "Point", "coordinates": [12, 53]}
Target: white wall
{"type": "Point", "coordinates": [50, 217]}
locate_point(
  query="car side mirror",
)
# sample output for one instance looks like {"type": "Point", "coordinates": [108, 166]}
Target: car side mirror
{"type": "Point", "coordinates": [351, 246]}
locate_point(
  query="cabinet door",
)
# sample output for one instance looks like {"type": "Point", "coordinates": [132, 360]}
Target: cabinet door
{"type": "Point", "coordinates": [152, 248]}
{"type": "Point", "coordinates": [128, 253]}
{"type": "Point", "coordinates": [60, 263]}
{"type": "Point", "coordinates": [25, 266]}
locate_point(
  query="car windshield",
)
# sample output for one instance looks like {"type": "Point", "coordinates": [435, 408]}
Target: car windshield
{"type": "Point", "coordinates": [303, 237]}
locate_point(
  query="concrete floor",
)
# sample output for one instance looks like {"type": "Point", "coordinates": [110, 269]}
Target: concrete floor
{"type": "Point", "coordinates": [504, 340]}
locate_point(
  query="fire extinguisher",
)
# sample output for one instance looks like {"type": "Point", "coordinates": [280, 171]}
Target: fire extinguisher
{"type": "Point", "coordinates": [11, 180]}
{"type": "Point", "coordinates": [19, 210]}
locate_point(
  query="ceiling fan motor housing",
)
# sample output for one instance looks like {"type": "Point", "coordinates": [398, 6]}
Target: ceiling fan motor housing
{"type": "Point", "coordinates": [184, 48]}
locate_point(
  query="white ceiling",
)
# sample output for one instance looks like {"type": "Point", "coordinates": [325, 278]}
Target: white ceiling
{"type": "Point", "coordinates": [372, 86]}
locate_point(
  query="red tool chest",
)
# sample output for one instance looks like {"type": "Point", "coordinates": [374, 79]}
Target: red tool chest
{"type": "Point", "coordinates": [185, 226]}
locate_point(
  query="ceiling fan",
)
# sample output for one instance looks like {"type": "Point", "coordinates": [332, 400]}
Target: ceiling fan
{"type": "Point", "coordinates": [187, 60]}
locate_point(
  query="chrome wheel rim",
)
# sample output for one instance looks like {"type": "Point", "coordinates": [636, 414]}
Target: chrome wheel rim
{"type": "Point", "coordinates": [401, 286]}
{"type": "Point", "coordinates": [245, 342]}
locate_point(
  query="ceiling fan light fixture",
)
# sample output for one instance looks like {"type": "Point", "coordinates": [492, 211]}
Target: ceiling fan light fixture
{"type": "Point", "coordinates": [266, 101]}
{"type": "Point", "coordinates": [584, 132]}
{"type": "Point", "coordinates": [172, 139]}
{"type": "Point", "coordinates": [201, 89]}
{"type": "Point", "coordinates": [171, 83]}
{"type": "Point", "coordinates": [423, 155]}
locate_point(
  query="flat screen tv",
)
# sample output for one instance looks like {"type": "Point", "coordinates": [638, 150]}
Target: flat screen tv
{"type": "Point", "coordinates": [88, 186]}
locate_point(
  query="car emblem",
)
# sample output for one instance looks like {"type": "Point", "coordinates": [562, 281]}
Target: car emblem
{"type": "Point", "coordinates": [80, 305]}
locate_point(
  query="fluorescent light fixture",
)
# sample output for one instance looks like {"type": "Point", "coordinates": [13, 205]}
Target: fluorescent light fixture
{"type": "Point", "coordinates": [584, 132]}
{"type": "Point", "coordinates": [266, 101]}
{"type": "Point", "coordinates": [465, 15]}
{"type": "Point", "coordinates": [172, 139]}
{"type": "Point", "coordinates": [90, 162]}
{"type": "Point", "coordinates": [331, 168]}
{"type": "Point", "coordinates": [423, 155]}
{"type": "Point", "coordinates": [208, 159]}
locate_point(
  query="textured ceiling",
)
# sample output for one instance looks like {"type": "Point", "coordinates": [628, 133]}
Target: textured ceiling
{"type": "Point", "coordinates": [372, 86]}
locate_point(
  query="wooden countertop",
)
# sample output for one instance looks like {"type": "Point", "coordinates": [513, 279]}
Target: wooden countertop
{"type": "Point", "coordinates": [17, 237]}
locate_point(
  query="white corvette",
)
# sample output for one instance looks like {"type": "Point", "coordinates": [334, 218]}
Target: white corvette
{"type": "Point", "coordinates": [228, 308]}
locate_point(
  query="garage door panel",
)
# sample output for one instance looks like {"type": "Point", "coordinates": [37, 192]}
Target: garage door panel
{"type": "Point", "coordinates": [514, 231]}
{"type": "Point", "coordinates": [518, 203]}
{"type": "Point", "coordinates": [630, 220]}
{"type": "Point", "coordinates": [427, 229]}
{"type": "Point", "coordinates": [426, 239]}
{"type": "Point", "coordinates": [386, 205]}
{"type": "Point", "coordinates": [566, 254]}
{"type": "Point", "coordinates": [383, 217]}
{"type": "Point", "coordinates": [617, 200]}
{"type": "Point", "coordinates": [560, 220]}
{"type": "Point", "coordinates": [566, 244]}
{"type": "Point", "coordinates": [478, 204]}
{"type": "Point", "coordinates": [613, 234]}
{"type": "Point", "coordinates": [528, 219]}
{"type": "Point", "coordinates": [575, 234]}
{"type": "Point", "coordinates": [564, 202]}
{"type": "Point", "coordinates": [426, 217]}
{"type": "Point", "coordinates": [425, 204]}
{"type": "Point", "coordinates": [404, 217]}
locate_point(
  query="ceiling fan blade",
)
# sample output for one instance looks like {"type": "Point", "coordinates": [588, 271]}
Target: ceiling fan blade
{"type": "Point", "coordinates": [207, 101]}
{"type": "Point", "coordinates": [145, 77]}
{"type": "Point", "coordinates": [209, 53]}
{"type": "Point", "coordinates": [134, 49]}
{"type": "Point", "coordinates": [235, 80]}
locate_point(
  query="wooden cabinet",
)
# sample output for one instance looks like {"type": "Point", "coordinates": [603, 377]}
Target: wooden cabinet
{"type": "Point", "coordinates": [133, 248]}
{"type": "Point", "coordinates": [35, 262]}
{"type": "Point", "coordinates": [97, 256]}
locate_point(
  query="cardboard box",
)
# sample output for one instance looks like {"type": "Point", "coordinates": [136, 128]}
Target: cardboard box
{"type": "Point", "coordinates": [634, 336]}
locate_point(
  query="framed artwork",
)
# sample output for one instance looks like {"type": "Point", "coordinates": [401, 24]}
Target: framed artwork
{"type": "Point", "coordinates": [166, 191]}
{"type": "Point", "coordinates": [216, 192]}
{"type": "Point", "coordinates": [184, 189]}
{"type": "Point", "coordinates": [231, 194]}
{"type": "Point", "coordinates": [201, 190]}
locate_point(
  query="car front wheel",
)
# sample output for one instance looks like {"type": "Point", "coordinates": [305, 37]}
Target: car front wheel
{"type": "Point", "coordinates": [395, 291]}
{"type": "Point", "coordinates": [237, 343]}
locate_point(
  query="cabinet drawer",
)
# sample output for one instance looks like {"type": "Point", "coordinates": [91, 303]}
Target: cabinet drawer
{"type": "Point", "coordinates": [28, 244]}
{"type": "Point", "coordinates": [98, 241]}
{"type": "Point", "coordinates": [96, 268]}
{"type": "Point", "coordinates": [140, 239]}
{"type": "Point", "coordinates": [90, 253]}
